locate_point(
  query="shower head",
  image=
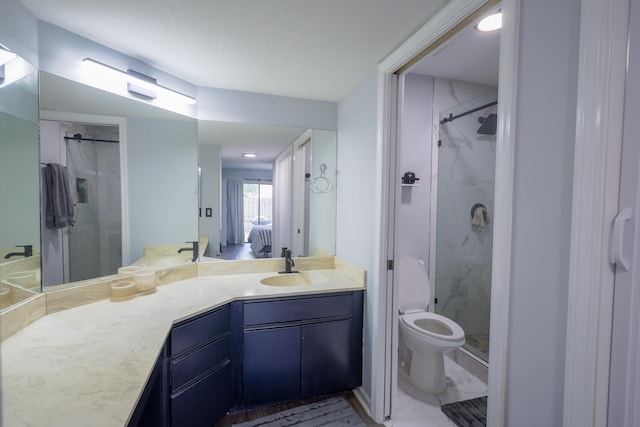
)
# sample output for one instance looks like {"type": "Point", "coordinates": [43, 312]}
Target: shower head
{"type": "Point", "coordinates": [489, 124]}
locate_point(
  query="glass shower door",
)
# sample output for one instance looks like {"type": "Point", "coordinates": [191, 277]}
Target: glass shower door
{"type": "Point", "coordinates": [464, 228]}
{"type": "Point", "coordinates": [95, 240]}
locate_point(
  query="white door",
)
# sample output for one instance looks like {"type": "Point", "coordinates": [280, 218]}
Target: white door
{"type": "Point", "coordinates": [624, 390]}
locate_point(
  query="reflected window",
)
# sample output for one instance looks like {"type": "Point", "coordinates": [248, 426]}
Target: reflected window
{"type": "Point", "coordinates": [257, 205]}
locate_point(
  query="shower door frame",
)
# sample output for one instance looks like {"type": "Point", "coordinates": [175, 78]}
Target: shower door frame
{"type": "Point", "coordinates": [95, 119]}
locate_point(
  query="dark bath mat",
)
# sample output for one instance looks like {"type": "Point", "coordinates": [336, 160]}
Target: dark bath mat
{"type": "Point", "coordinates": [332, 412]}
{"type": "Point", "coordinates": [468, 413]}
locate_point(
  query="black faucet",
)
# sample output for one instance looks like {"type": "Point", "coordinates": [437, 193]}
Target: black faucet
{"type": "Point", "coordinates": [288, 262]}
{"type": "Point", "coordinates": [194, 248]}
{"type": "Point", "coordinates": [28, 251]}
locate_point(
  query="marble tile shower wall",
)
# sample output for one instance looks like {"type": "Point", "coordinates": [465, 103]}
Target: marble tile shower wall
{"type": "Point", "coordinates": [465, 176]}
{"type": "Point", "coordinates": [94, 173]}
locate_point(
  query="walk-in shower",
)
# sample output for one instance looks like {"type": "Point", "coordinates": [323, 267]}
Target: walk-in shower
{"type": "Point", "coordinates": [464, 228]}
{"type": "Point", "coordinates": [95, 240]}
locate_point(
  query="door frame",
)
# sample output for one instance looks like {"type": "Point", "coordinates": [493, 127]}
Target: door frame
{"type": "Point", "coordinates": [600, 96]}
{"type": "Point", "coordinates": [121, 122]}
{"type": "Point", "coordinates": [596, 184]}
{"type": "Point", "coordinates": [449, 20]}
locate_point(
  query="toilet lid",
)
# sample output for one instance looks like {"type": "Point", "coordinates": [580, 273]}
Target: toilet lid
{"type": "Point", "coordinates": [434, 325]}
{"type": "Point", "coordinates": [414, 288]}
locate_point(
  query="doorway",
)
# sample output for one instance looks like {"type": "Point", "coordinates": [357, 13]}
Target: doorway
{"type": "Point", "coordinates": [92, 151]}
{"type": "Point", "coordinates": [419, 216]}
{"type": "Point", "coordinates": [93, 245]}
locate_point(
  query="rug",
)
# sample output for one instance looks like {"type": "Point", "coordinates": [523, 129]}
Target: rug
{"type": "Point", "coordinates": [468, 413]}
{"type": "Point", "coordinates": [334, 411]}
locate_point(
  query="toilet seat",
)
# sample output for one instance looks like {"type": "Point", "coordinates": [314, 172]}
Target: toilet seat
{"type": "Point", "coordinates": [433, 325]}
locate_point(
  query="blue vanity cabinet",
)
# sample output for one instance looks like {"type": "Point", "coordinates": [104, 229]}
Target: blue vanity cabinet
{"type": "Point", "coordinates": [151, 410]}
{"type": "Point", "coordinates": [271, 365]}
{"type": "Point", "coordinates": [296, 347]}
{"type": "Point", "coordinates": [200, 369]}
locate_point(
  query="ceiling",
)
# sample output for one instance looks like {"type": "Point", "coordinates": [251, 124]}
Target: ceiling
{"type": "Point", "coordinates": [299, 48]}
{"type": "Point", "coordinates": [235, 139]}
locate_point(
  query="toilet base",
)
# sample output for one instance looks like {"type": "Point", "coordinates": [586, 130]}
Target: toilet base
{"type": "Point", "coordinates": [427, 371]}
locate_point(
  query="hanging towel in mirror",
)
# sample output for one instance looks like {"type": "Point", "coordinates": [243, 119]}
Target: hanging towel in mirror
{"type": "Point", "coordinates": [479, 216]}
{"type": "Point", "coordinates": [59, 210]}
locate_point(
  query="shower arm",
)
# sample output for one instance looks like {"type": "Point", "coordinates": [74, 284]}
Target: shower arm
{"type": "Point", "coordinates": [452, 117]}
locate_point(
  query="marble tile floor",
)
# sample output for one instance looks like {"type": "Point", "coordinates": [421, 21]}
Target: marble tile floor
{"type": "Point", "coordinates": [415, 408]}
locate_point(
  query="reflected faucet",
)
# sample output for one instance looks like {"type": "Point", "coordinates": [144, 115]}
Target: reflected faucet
{"type": "Point", "coordinates": [28, 251]}
{"type": "Point", "coordinates": [288, 262]}
{"type": "Point", "coordinates": [193, 248]}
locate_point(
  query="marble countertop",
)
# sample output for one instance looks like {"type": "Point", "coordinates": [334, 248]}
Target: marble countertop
{"type": "Point", "coordinates": [88, 365]}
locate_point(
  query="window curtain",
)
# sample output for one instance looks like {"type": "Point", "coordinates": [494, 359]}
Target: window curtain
{"type": "Point", "coordinates": [235, 212]}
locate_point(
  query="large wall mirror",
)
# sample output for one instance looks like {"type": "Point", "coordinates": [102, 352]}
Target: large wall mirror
{"type": "Point", "coordinates": [144, 180]}
{"type": "Point", "coordinates": [19, 183]}
{"type": "Point", "coordinates": [265, 188]}
{"type": "Point", "coordinates": [132, 172]}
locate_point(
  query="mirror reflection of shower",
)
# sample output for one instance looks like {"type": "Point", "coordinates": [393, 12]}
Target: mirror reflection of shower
{"type": "Point", "coordinates": [465, 197]}
{"type": "Point", "coordinates": [92, 246]}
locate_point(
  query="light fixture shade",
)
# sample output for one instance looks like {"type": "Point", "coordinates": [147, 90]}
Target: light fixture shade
{"type": "Point", "coordinates": [249, 155]}
{"type": "Point", "coordinates": [137, 83]}
{"type": "Point", "coordinates": [490, 23]}
{"type": "Point", "coordinates": [6, 56]}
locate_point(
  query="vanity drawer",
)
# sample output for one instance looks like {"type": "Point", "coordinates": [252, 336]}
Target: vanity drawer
{"type": "Point", "coordinates": [296, 309]}
{"type": "Point", "coordinates": [204, 402]}
{"type": "Point", "coordinates": [202, 329]}
{"type": "Point", "coordinates": [196, 362]}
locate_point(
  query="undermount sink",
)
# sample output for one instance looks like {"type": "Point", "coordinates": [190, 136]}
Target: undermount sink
{"type": "Point", "coordinates": [294, 279]}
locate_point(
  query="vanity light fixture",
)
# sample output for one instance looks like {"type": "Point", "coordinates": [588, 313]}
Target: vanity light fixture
{"type": "Point", "coordinates": [249, 155]}
{"type": "Point", "coordinates": [490, 23]}
{"type": "Point", "coordinates": [137, 83]}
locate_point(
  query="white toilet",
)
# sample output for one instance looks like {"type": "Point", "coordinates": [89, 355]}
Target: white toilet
{"type": "Point", "coordinates": [426, 336]}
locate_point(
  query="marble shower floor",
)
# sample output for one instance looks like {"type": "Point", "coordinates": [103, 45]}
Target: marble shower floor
{"type": "Point", "coordinates": [417, 408]}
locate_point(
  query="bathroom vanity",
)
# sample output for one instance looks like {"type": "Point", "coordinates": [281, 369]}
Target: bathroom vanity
{"type": "Point", "coordinates": [189, 352]}
{"type": "Point", "coordinates": [254, 353]}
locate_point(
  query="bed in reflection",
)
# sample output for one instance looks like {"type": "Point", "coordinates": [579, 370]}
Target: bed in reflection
{"type": "Point", "coordinates": [260, 240]}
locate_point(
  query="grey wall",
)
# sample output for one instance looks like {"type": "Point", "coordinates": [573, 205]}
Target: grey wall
{"type": "Point", "coordinates": [19, 30]}
{"type": "Point", "coordinates": [209, 161]}
{"type": "Point", "coordinates": [246, 107]}
{"type": "Point", "coordinates": [19, 182]}
{"type": "Point", "coordinates": [162, 165]}
{"type": "Point", "coordinates": [544, 135]}
{"type": "Point", "coordinates": [414, 211]}
{"type": "Point", "coordinates": [356, 196]}
{"type": "Point", "coordinates": [323, 204]}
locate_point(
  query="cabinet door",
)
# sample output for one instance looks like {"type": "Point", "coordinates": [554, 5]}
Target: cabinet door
{"type": "Point", "coordinates": [328, 360]}
{"type": "Point", "coordinates": [203, 402]}
{"type": "Point", "coordinates": [271, 365]}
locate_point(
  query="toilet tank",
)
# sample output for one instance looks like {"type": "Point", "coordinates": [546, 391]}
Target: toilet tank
{"type": "Point", "coordinates": [414, 290]}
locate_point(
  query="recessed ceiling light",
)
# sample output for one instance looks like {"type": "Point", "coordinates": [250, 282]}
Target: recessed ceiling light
{"type": "Point", "coordinates": [490, 23]}
{"type": "Point", "coordinates": [249, 155]}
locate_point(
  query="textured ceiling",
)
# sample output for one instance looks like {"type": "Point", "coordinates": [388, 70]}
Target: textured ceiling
{"type": "Point", "coordinates": [316, 49]}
